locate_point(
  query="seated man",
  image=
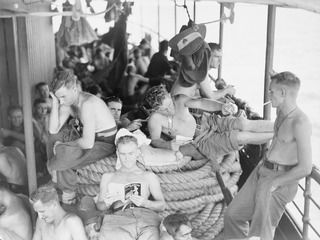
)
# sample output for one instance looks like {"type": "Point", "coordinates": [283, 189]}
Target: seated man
{"type": "Point", "coordinates": [135, 86]}
{"type": "Point", "coordinates": [15, 220]}
{"type": "Point", "coordinates": [88, 139]}
{"type": "Point", "coordinates": [41, 133]}
{"type": "Point", "coordinates": [53, 221]}
{"type": "Point", "coordinates": [159, 65]}
{"type": "Point", "coordinates": [176, 227]}
{"type": "Point", "coordinates": [127, 193]}
{"type": "Point", "coordinates": [115, 105]}
{"type": "Point", "coordinates": [218, 135]}
{"type": "Point", "coordinates": [13, 169]}
{"type": "Point", "coordinates": [141, 62]}
{"type": "Point", "coordinates": [42, 89]}
{"type": "Point", "coordinates": [14, 136]}
{"type": "Point", "coordinates": [274, 182]}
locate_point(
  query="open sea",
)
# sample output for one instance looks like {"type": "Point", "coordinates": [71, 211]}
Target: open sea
{"type": "Point", "coordinates": [297, 49]}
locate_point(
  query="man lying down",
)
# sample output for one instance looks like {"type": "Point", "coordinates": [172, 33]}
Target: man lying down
{"type": "Point", "coordinates": [126, 195]}
{"type": "Point", "coordinates": [218, 136]}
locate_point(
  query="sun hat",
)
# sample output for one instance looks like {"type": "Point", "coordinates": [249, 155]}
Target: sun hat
{"type": "Point", "coordinates": [189, 41]}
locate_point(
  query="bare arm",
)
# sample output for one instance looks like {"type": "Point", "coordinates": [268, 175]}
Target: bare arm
{"type": "Point", "coordinates": [204, 104]}
{"type": "Point", "coordinates": [205, 90]}
{"type": "Point", "coordinates": [58, 115]}
{"type": "Point", "coordinates": [140, 78]}
{"type": "Point", "coordinates": [75, 226]}
{"type": "Point", "coordinates": [302, 135]}
{"type": "Point", "coordinates": [101, 204]}
{"type": "Point", "coordinates": [88, 121]}
{"type": "Point", "coordinates": [10, 133]}
{"type": "Point", "coordinates": [158, 204]}
{"type": "Point", "coordinates": [5, 167]}
{"type": "Point", "coordinates": [155, 129]}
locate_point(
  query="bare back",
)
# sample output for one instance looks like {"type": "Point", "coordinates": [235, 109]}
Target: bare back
{"type": "Point", "coordinates": [13, 165]}
{"type": "Point", "coordinates": [16, 219]}
{"type": "Point", "coordinates": [101, 115]}
{"type": "Point", "coordinates": [284, 148]}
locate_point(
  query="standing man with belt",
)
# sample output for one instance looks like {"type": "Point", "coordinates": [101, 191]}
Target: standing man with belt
{"type": "Point", "coordinates": [274, 182]}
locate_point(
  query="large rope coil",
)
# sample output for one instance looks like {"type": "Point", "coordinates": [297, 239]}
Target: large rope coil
{"type": "Point", "coordinates": [189, 187]}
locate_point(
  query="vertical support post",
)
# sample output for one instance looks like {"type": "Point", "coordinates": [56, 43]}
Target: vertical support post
{"type": "Point", "coordinates": [24, 79]}
{"type": "Point", "coordinates": [269, 59]}
{"type": "Point", "coordinates": [306, 211]}
{"type": "Point", "coordinates": [158, 8]}
{"type": "Point", "coordinates": [194, 10]}
{"type": "Point", "coordinates": [221, 31]}
{"type": "Point", "coordinates": [141, 21]}
{"type": "Point", "coordinates": [175, 18]}
{"type": "Point", "coordinates": [16, 57]}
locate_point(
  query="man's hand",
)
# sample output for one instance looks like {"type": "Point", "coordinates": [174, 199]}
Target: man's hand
{"type": "Point", "coordinates": [230, 90]}
{"type": "Point", "coordinates": [138, 200]}
{"type": "Point", "coordinates": [134, 125]}
{"type": "Point", "coordinates": [229, 108]}
{"type": "Point", "coordinates": [4, 132]}
{"type": "Point", "coordinates": [175, 144]}
{"type": "Point", "coordinates": [55, 100]}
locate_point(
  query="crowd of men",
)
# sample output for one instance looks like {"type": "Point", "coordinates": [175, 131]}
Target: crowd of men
{"type": "Point", "coordinates": [76, 125]}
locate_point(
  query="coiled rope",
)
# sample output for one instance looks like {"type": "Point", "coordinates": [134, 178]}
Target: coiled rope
{"type": "Point", "coordinates": [189, 187]}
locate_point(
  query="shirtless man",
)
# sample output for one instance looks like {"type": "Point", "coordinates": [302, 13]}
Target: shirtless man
{"type": "Point", "coordinates": [53, 221]}
{"type": "Point", "coordinates": [217, 136]}
{"type": "Point", "coordinates": [194, 78]}
{"type": "Point", "coordinates": [95, 127]}
{"type": "Point", "coordinates": [135, 85]}
{"type": "Point", "coordinates": [141, 62]}
{"type": "Point", "coordinates": [13, 169]}
{"type": "Point", "coordinates": [15, 221]}
{"type": "Point", "coordinates": [68, 100]}
{"type": "Point", "coordinates": [126, 192]}
{"type": "Point", "coordinates": [176, 227]}
{"type": "Point", "coordinates": [115, 105]}
{"type": "Point", "coordinates": [274, 182]}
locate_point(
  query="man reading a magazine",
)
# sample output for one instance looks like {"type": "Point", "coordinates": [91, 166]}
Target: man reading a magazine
{"type": "Point", "coordinates": [126, 195]}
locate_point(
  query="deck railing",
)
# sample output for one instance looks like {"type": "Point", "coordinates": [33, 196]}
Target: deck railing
{"type": "Point", "coordinates": [308, 199]}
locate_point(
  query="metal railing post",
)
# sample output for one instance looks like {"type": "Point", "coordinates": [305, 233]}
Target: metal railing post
{"type": "Point", "coordinates": [306, 216]}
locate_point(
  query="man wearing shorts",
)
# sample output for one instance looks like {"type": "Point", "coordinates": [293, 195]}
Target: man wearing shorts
{"type": "Point", "coordinates": [218, 135]}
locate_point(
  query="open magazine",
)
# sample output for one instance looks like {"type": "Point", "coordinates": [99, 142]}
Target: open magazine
{"type": "Point", "coordinates": [124, 191]}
